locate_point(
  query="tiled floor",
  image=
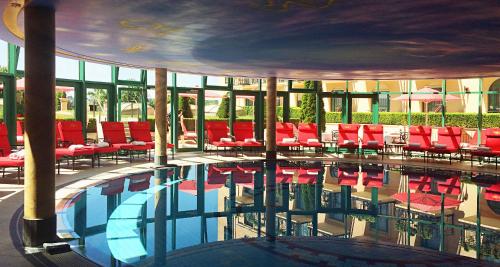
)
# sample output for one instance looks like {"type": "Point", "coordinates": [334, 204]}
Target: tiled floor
{"type": "Point", "coordinates": [312, 251]}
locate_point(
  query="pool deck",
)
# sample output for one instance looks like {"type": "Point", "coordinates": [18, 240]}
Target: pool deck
{"type": "Point", "coordinates": [12, 252]}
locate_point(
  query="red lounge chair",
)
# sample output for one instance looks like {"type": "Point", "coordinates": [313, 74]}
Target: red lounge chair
{"type": "Point", "coordinates": [420, 140]}
{"type": "Point", "coordinates": [373, 177]}
{"type": "Point", "coordinates": [112, 187]}
{"type": "Point", "coordinates": [218, 135]}
{"type": "Point", "coordinates": [420, 183]}
{"type": "Point", "coordinates": [71, 133]}
{"type": "Point", "coordinates": [242, 177]}
{"type": "Point", "coordinates": [373, 139]}
{"type": "Point", "coordinates": [308, 175]}
{"type": "Point", "coordinates": [139, 182]}
{"type": "Point", "coordinates": [448, 141]}
{"type": "Point", "coordinates": [308, 136]}
{"type": "Point", "coordinates": [250, 167]}
{"type": "Point", "coordinates": [285, 136]}
{"type": "Point", "coordinates": [5, 151]}
{"type": "Point", "coordinates": [348, 175]}
{"type": "Point", "coordinates": [450, 186]}
{"type": "Point", "coordinates": [216, 177]}
{"type": "Point", "coordinates": [244, 135]}
{"type": "Point", "coordinates": [491, 148]}
{"type": "Point", "coordinates": [20, 132]}
{"type": "Point", "coordinates": [140, 131]}
{"type": "Point", "coordinates": [114, 134]}
{"type": "Point", "coordinates": [285, 174]}
{"type": "Point", "coordinates": [187, 135]}
{"type": "Point", "coordinates": [348, 137]}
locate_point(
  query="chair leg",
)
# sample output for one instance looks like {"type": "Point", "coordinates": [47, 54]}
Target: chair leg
{"type": "Point", "coordinates": [73, 163]}
{"type": "Point", "coordinates": [116, 157]}
{"type": "Point", "coordinates": [3, 172]}
{"type": "Point", "coordinates": [92, 159]}
{"type": "Point", "coordinates": [18, 175]}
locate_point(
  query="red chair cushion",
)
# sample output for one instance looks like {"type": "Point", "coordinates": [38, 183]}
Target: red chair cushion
{"type": "Point", "coordinates": [140, 131]}
{"type": "Point", "coordinates": [373, 133]}
{"type": "Point", "coordinates": [217, 130]}
{"type": "Point", "coordinates": [71, 132]}
{"type": "Point", "coordinates": [4, 141]}
{"type": "Point", "coordinates": [114, 132]}
{"type": "Point", "coordinates": [243, 130]}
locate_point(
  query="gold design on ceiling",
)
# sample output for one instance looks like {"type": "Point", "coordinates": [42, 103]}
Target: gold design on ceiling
{"type": "Point", "coordinates": [10, 15]}
{"type": "Point", "coordinates": [157, 29]}
{"type": "Point", "coordinates": [137, 48]}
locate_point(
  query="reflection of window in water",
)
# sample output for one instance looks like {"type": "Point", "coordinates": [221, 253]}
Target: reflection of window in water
{"type": "Point", "coordinates": [429, 235]}
{"type": "Point", "coordinates": [304, 198]}
{"type": "Point", "coordinates": [333, 200]}
{"type": "Point", "coordinates": [382, 223]}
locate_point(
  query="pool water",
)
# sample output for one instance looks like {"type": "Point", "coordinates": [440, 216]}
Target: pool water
{"type": "Point", "coordinates": [137, 219]}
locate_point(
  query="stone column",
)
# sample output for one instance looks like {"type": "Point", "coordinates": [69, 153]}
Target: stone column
{"type": "Point", "coordinates": [271, 119]}
{"type": "Point", "coordinates": [161, 116]}
{"type": "Point", "coordinates": [39, 222]}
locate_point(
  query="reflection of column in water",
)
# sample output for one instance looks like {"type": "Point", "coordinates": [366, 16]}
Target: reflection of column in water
{"type": "Point", "coordinates": [81, 217]}
{"type": "Point", "coordinates": [232, 208]}
{"type": "Point", "coordinates": [111, 205]}
{"type": "Point", "coordinates": [258, 196]}
{"type": "Point", "coordinates": [271, 200]}
{"type": "Point", "coordinates": [200, 200]}
{"type": "Point", "coordinates": [160, 220]}
{"type": "Point", "coordinates": [318, 188]}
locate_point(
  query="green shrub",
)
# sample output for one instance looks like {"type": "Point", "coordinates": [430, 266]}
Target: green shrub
{"type": "Point", "coordinates": [223, 110]}
{"type": "Point", "coordinates": [92, 126]}
{"type": "Point", "coordinates": [185, 107]}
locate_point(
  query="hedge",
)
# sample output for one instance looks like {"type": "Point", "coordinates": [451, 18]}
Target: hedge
{"type": "Point", "coordinates": [465, 120]}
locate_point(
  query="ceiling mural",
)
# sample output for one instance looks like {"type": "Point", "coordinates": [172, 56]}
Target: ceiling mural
{"type": "Point", "coordinates": [299, 39]}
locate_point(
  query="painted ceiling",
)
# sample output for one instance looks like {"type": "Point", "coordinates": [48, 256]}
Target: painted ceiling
{"type": "Point", "coordinates": [296, 39]}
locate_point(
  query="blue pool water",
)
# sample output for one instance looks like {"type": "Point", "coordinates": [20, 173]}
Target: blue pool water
{"type": "Point", "coordinates": [137, 219]}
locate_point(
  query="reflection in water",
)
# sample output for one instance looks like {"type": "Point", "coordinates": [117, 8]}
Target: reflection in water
{"type": "Point", "coordinates": [140, 218]}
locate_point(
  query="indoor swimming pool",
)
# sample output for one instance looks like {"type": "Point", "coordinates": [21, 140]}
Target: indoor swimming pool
{"type": "Point", "coordinates": [138, 219]}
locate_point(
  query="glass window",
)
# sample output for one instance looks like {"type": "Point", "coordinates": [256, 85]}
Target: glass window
{"type": "Point", "coordinates": [247, 84]}
{"type": "Point", "coordinates": [384, 102]}
{"type": "Point", "coordinates": [494, 97]}
{"type": "Point", "coordinates": [217, 80]}
{"type": "Point", "coordinates": [66, 68]}
{"type": "Point", "coordinates": [20, 60]}
{"type": "Point", "coordinates": [129, 74]}
{"type": "Point", "coordinates": [97, 72]}
{"type": "Point", "coordinates": [3, 56]}
{"type": "Point", "coordinates": [188, 80]}
{"type": "Point", "coordinates": [65, 107]}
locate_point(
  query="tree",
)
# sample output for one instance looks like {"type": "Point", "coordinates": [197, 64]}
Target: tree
{"type": "Point", "coordinates": [132, 95]}
{"type": "Point", "coordinates": [185, 107]}
{"type": "Point", "coordinates": [308, 107]}
{"type": "Point", "coordinates": [223, 111]}
{"type": "Point", "coordinates": [98, 97]}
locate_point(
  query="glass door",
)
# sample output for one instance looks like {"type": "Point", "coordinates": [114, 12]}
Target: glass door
{"type": "Point", "coordinates": [187, 137]}
{"type": "Point", "coordinates": [100, 107]}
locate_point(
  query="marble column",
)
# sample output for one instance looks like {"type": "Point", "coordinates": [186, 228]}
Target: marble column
{"type": "Point", "coordinates": [161, 116]}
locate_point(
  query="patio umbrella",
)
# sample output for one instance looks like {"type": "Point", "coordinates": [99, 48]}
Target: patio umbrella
{"type": "Point", "coordinates": [426, 202]}
{"type": "Point", "coordinates": [20, 86]}
{"type": "Point", "coordinates": [190, 187]}
{"type": "Point", "coordinates": [426, 95]}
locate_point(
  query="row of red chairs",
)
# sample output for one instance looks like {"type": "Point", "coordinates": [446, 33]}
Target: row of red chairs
{"type": "Point", "coordinates": [72, 145]}
{"type": "Point", "coordinates": [218, 135]}
{"type": "Point", "coordinates": [448, 142]}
